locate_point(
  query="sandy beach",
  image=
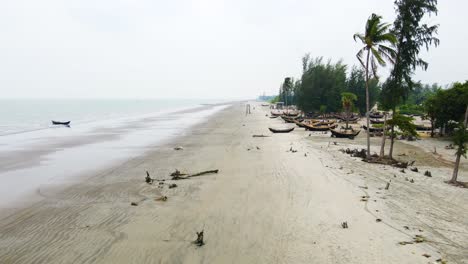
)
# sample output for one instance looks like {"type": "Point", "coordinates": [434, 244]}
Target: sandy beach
{"type": "Point", "coordinates": [276, 199]}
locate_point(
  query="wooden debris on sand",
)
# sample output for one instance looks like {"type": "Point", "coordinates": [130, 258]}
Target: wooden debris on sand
{"type": "Point", "coordinates": [177, 175]}
{"type": "Point", "coordinates": [163, 199]}
{"type": "Point", "coordinates": [148, 179]}
{"type": "Point", "coordinates": [416, 240]}
{"type": "Point", "coordinates": [355, 152]}
{"type": "Point", "coordinates": [199, 241]}
{"type": "Point", "coordinates": [260, 136]}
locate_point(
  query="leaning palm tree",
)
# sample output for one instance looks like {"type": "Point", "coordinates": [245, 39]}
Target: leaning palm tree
{"type": "Point", "coordinates": [378, 42]}
{"type": "Point", "coordinates": [347, 100]}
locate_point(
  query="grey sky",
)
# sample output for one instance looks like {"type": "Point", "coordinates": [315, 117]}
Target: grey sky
{"type": "Point", "coordinates": [193, 49]}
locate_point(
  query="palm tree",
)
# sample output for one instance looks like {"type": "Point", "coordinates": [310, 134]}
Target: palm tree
{"type": "Point", "coordinates": [347, 99]}
{"type": "Point", "coordinates": [375, 39]}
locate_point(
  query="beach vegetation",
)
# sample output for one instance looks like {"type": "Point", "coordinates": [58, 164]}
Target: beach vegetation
{"type": "Point", "coordinates": [321, 83]}
{"type": "Point", "coordinates": [356, 84]}
{"type": "Point", "coordinates": [347, 100]}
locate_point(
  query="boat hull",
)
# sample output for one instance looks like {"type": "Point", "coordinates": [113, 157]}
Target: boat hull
{"type": "Point", "coordinates": [67, 123]}
{"type": "Point", "coordinates": [281, 130]}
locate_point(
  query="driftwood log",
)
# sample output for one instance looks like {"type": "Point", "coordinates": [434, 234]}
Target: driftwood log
{"type": "Point", "coordinates": [260, 136]}
{"type": "Point", "coordinates": [177, 175]}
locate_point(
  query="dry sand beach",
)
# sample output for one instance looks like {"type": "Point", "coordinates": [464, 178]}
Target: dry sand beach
{"type": "Point", "coordinates": [267, 204]}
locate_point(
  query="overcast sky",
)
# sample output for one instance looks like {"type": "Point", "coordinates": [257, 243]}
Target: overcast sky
{"type": "Point", "coordinates": [193, 48]}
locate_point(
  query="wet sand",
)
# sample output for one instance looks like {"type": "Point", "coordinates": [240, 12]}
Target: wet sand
{"type": "Point", "coordinates": [266, 205]}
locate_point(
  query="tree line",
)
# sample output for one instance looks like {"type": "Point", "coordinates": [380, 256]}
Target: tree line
{"type": "Point", "coordinates": [323, 85]}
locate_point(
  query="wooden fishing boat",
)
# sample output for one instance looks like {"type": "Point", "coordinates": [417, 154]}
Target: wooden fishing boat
{"type": "Point", "coordinates": [289, 119]}
{"type": "Point", "coordinates": [347, 133]}
{"type": "Point", "coordinates": [291, 113]}
{"type": "Point", "coordinates": [281, 130]}
{"type": "Point", "coordinates": [273, 116]}
{"type": "Point", "coordinates": [314, 127]}
{"type": "Point", "coordinates": [376, 121]}
{"type": "Point", "coordinates": [373, 129]}
{"type": "Point", "coordinates": [324, 122]}
{"type": "Point", "coordinates": [352, 118]}
{"type": "Point", "coordinates": [376, 115]}
{"type": "Point", "coordinates": [66, 123]}
{"type": "Point", "coordinates": [299, 123]}
{"type": "Point", "coordinates": [276, 112]}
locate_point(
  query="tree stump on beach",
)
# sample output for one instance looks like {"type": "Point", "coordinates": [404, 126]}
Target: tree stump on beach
{"type": "Point", "coordinates": [199, 241]}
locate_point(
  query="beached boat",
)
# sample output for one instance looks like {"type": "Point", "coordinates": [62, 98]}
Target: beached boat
{"type": "Point", "coordinates": [314, 127]}
{"type": "Point", "coordinates": [273, 116]}
{"type": "Point", "coordinates": [323, 122]}
{"type": "Point", "coordinates": [373, 129]}
{"type": "Point", "coordinates": [289, 119]}
{"type": "Point", "coordinates": [66, 123]}
{"type": "Point", "coordinates": [291, 113]}
{"type": "Point", "coordinates": [276, 112]}
{"type": "Point", "coordinates": [281, 130]}
{"type": "Point", "coordinates": [352, 118]}
{"type": "Point", "coordinates": [376, 121]}
{"type": "Point", "coordinates": [376, 115]}
{"type": "Point", "coordinates": [347, 133]}
{"type": "Point", "coordinates": [299, 123]}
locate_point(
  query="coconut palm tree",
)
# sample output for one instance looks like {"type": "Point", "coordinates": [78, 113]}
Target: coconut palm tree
{"type": "Point", "coordinates": [347, 100]}
{"type": "Point", "coordinates": [378, 42]}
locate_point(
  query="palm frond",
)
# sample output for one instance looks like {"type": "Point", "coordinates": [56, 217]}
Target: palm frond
{"type": "Point", "coordinates": [377, 56]}
{"type": "Point", "coordinates": [360, 56]}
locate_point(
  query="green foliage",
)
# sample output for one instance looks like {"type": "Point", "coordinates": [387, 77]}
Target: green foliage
{"type": "Point", "coordinates": [411, 109]}
{"type": "Point", "coordinates": [321, 84]}
{"type": "Point", "coordinates": [404, 123]}
{"type": "Point", "coordinates": [323, 109]}
{"type": "Point", "coordinates": [447, 105]}
{"type": "Point", "coordinates": [412, 35]}
{"type": "Point", "coordinates": [420, 93]}
{"type": "Point", "coordinates": [347, 100]}
{"type": "Point", "coordinates": [275, 99]}
{"type": "Point", "coordinates": [460, 137]}
{"type": "Point", "coordinates": [286, 93]}
{"type": "Point", "coordinates": [356, 84]}
{"type": "Point", "coordinates": [376, 39]}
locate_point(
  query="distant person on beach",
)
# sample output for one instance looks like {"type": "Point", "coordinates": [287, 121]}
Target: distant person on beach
{"type": "Point", "coordinates": [247, 109]}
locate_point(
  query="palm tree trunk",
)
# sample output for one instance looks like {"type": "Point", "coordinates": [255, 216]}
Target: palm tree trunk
{"type": "Point", "coordinates": [367, 104]}
{"type": "Point", "coordinates": [459, 152]}
{"type": "Point", "coordinates": [432, 127]}
{"type": "Point", "coordinates": [384, 136]}
{"type": "Point", "coordinates": [347, 118]}
{"type": "Point", "coordinates": [392, 135]}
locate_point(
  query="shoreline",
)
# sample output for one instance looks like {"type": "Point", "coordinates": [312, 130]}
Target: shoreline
{"type": "Point", "coordinates": [57, 158]}
{"type": "Point", "coordinates": [266, 205]}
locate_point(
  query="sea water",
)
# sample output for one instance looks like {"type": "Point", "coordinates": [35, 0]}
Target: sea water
{"type": "Point", "coordinates": [22, 115]}
{"type": "Point", "coordinates": [35, 155]}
